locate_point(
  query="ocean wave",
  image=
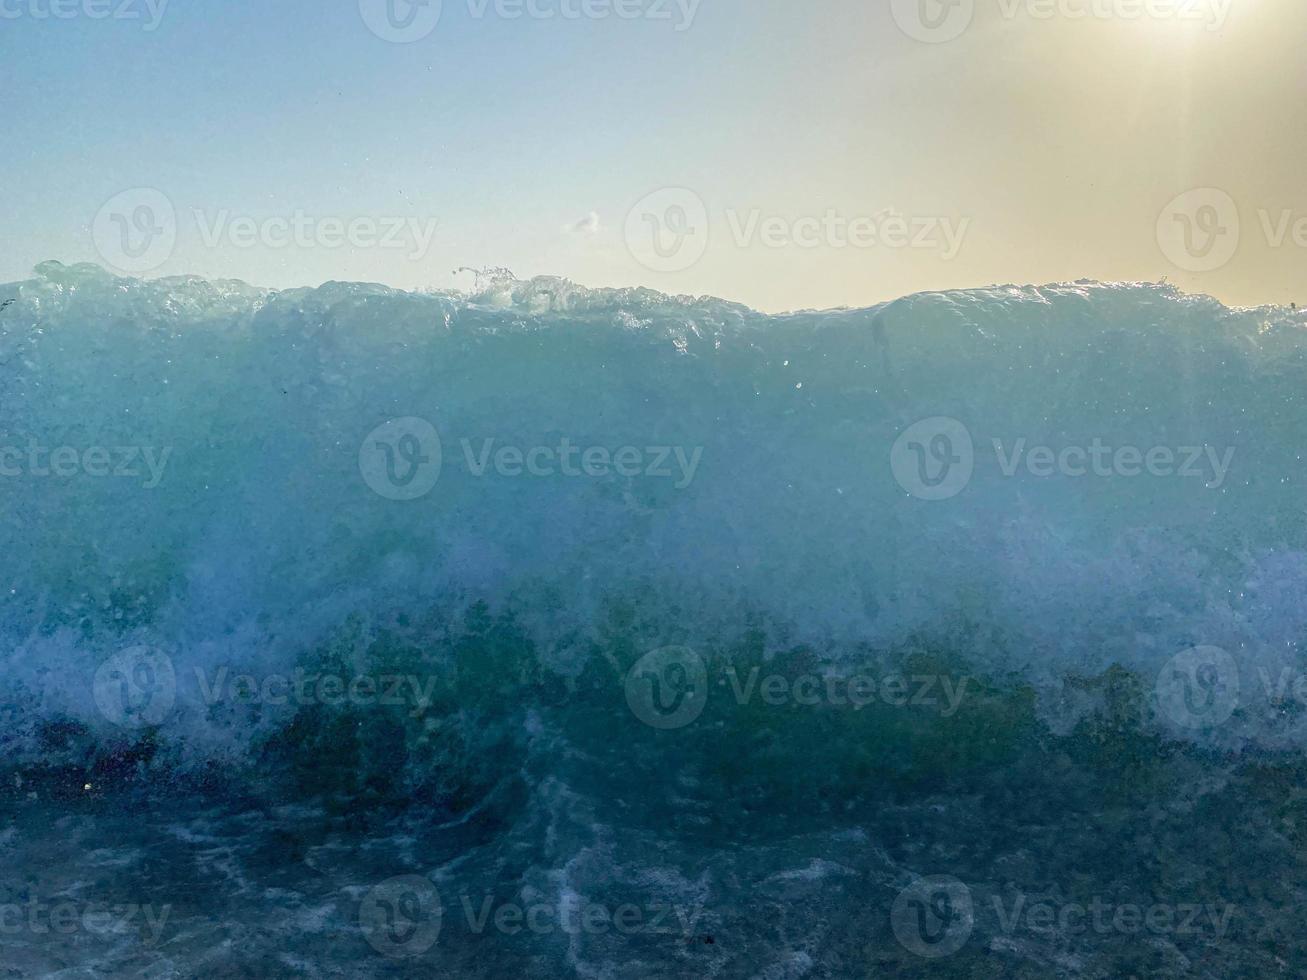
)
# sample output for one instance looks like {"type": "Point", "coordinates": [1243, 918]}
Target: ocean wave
{"type": "Point", "coordinates": [511, 496]}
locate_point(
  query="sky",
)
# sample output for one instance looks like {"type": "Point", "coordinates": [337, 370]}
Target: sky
{"type": "Point", "coordinates": [781, 154]}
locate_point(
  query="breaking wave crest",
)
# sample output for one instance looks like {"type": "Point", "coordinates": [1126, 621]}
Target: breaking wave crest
{"type": "Point", "coordinates": [493, 505]}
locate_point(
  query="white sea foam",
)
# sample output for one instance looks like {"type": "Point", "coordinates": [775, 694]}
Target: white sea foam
{"type": "Point", "coordinates": [263, 536]}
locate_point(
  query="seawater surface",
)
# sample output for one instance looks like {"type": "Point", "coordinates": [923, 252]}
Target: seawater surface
{"type": "Point", "coordinates": [348, 632]}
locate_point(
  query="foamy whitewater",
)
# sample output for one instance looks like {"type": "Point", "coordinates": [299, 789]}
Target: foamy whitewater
{"type": "Point", "coordinates": [208, 485]}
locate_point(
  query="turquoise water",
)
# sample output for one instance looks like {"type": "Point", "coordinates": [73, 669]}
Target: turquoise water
{"type": "Point", "coordinates": [353, 632]}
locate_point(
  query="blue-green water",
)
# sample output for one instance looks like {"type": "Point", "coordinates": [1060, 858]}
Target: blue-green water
{"type": "Point", "coordinates": [350, 633]}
